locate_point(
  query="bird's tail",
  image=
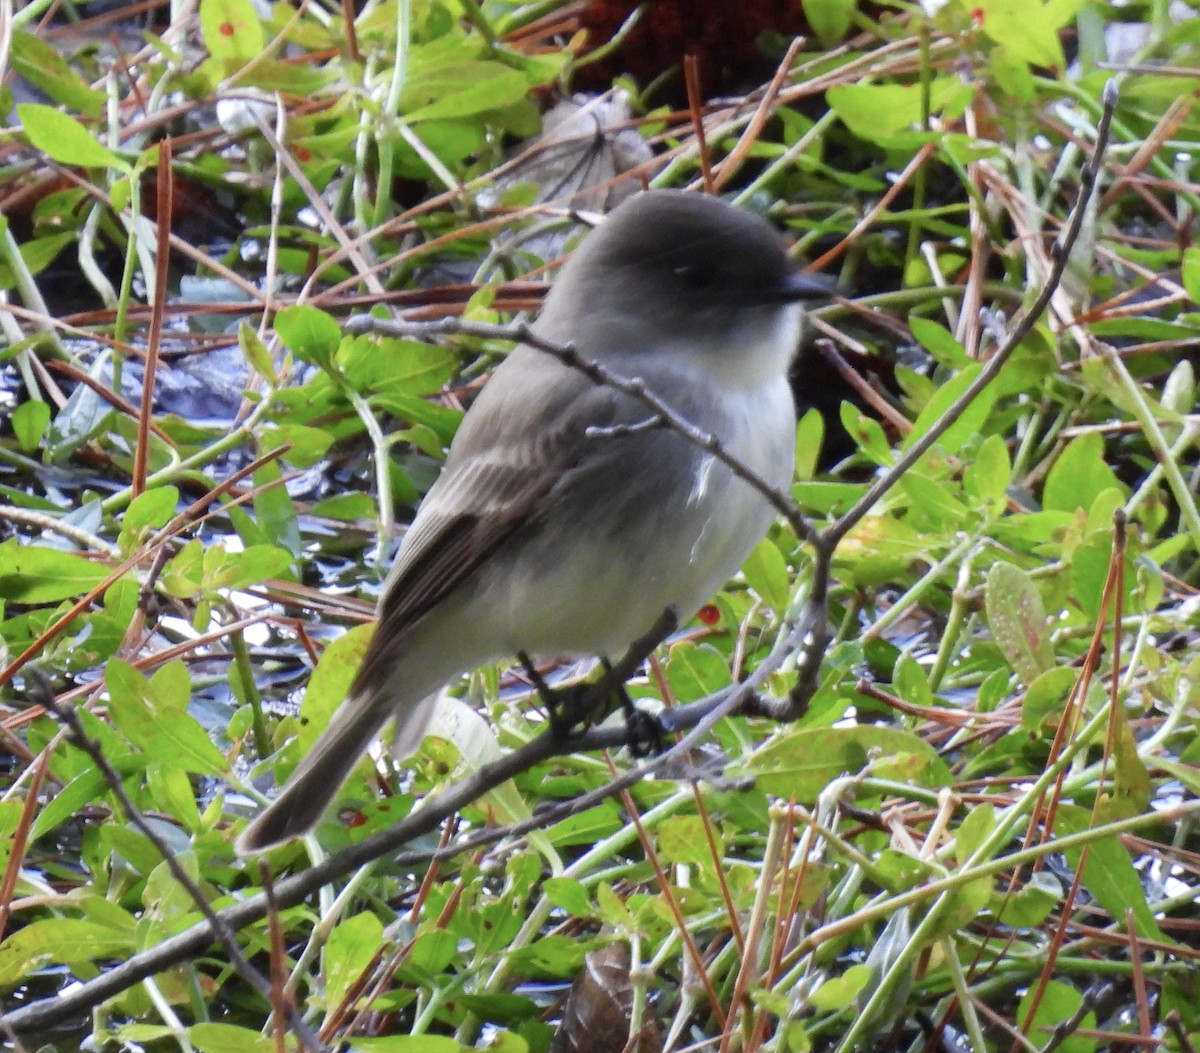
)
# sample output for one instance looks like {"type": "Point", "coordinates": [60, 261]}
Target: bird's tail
{"type": "Point", "coordinates": [317, 779]}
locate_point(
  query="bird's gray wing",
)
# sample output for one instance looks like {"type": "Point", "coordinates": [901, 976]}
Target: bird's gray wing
{"type": "Point", "coordinates": [499, 474]}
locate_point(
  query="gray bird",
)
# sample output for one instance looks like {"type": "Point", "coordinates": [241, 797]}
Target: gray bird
{"type": "Point", "coordinates": [543, 538]}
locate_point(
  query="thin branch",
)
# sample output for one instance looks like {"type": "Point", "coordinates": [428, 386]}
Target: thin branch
{"type": "Point", "coordinates": [1091, 998]}
{"type": "Point", "coordinates": [52, 524]}
{"type": "Point", "coordinates": [162, 264]}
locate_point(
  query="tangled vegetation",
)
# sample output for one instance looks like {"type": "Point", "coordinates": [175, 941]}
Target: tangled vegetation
{"type": "Point", "coordinates": [974, 828]}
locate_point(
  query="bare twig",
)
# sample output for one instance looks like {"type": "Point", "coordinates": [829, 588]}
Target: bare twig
{"type": "Point", "coordinates": [695, 94]}
{"type": "Point", "coordinates": [141, 449]}
{"type": "Point", "coordinates": [52, 524]}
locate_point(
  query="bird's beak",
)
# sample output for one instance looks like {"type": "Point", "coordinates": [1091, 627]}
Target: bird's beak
{"type": "Point", "coordinates": [800, 285]}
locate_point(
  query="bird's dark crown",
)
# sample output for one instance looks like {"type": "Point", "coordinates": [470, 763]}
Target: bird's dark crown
{"type": "Point", "coordinates": [691, 246]}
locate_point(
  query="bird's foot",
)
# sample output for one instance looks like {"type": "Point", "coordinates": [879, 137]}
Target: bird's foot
{"type": "Point", "coordinates": [572, 709]}
{"type": "Point", "coordinates": [568, 708]}
{"type": "Point", "coordinates": [647, 736]}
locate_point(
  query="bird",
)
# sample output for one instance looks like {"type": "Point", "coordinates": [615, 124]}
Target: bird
{"type": "Point", "coordinates": [562, 523]}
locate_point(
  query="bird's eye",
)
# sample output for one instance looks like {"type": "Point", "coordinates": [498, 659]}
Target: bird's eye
{"type": "Point", "coordinates": [696, 275]}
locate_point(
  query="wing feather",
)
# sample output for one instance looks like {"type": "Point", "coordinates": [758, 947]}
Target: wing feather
{"type": "Point", "coordinates": [496, 479]}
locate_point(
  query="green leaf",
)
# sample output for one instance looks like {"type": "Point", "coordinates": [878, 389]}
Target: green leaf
{"type": "Point", "coordinates": [1079, 475]}
{"type": "Point", "coordinates": [976, 828]}
{"type": "Point", "coordinates": [810, 435]}
{"type": "Point", "coordinates": [150, 719]}
{"type": "Point", "coordinates": [910, 681]}
{"type": "Point", "coordinates": [1030, 903]}
{"type": "Point", "coordinates": [172, 793]}
{"type": "Point", "coordinates": [968, 425]}
{"type": "Point", "coordinates": [829, 19]}
{"type": "Point", "coordinates": [878, 549]}
{"type": "Point", "coordinates": [1179, 390]}
{"type": "Point", "coordinates": [84, 789]}
{"type": "Point", "coordinates": [37, 254]}
{"type": "Point", "coordinates": [29, 422]}
{"type": "Point", "coordinates": [256, 354]}
{"type": "Point", "coordinates": [1191, 273]}
{"type": "Point", "coordinates": [867, 434]}
{"type": "Point", "coordinates": [460, 89]}
{"type": "Point", "coordinates": [878, 113]}
{"type": "Point", "coordinates": [442, 420]}
{"type": "Point", "coordinates": [434, 951]}
{"type": "Point", "coordinates": [1108, 872]}
{"type": "Point", "coordinates": [1045, 699]}
{"type": "Point", "coordinates": [682, 839]}
{"type": "Point", "coordinates": [273, 509]}
{"type": "Point", "coordinates": [1132, 787]}
{"type": "Point", "coordinates": [82, 417]}
{"type": "Point", "coordinates": [570, 895]}
{"type": "Point", "coordinates": [147, 512]}
{"type": "Point", "coordinates": [612, 908]}
{"type": "Point", "coordinates": [1089, 574]}
{"type": "Point", "coordinates": [237, 570]}
{"type": "Point", "coordinates": [44, 67]}
{"type": "Point", "coordinates": [696, 670]}
{"type": "Point", "coordinates": [1011, 73]}
{"type": "Point", "coordinates": [405, 1044]}
{"type": "Point", "coordinates": [231, 30]}
{"type": "Point", "coordinates": [962, 907]}
{"type": "Point", "coordinates": [144, 1032]}
{"type": "Point", "coordinates": [307, 445]}
{"type": "Point", "coordinates": [934, 506]}
{"type": "Point", "coordinates": [940, 343]}
{"type": "Point", "coordinates": [183, 573]}
{"type": "Point", "coordinates": [551, 956]}
{"type": "Point", "coordinates": [346, 507]}
{"type": "Point", "coordinates": [10, 819]}
{"type": "Point", "coordinates": [211, 1037]}
{"type": "Point", "coordinates": [587, 827]}
{"type": "Point", "coordinates": [801, 762]}
{"type": "Point", "coordinates": [64, 139]}
{"type": "Point", "coordinates": [31, 574]}
{"type": "Point", "coordinates": [330, 682]}
{"type": "Point", "coordinates": [835, 994]}
{"type": "Point", "coordinates": [309, 334]}
{"type": "Point", "coordinates": [349, 951]}
{"type": "Point", "coordinates": [392, 366]}
{"type": "Point", "coordinates": [70, 941]}
{"type": "Point", "coordinates": [1059, 1003]}
{"type": "Point", "coordinates": [1025, 28]}
{"type": "Point", "coordinates": [1017, 619]}
{"type": "Point", "coordinates": [766, 572]}
{"type": "Point", "coordinates": [988, 474]}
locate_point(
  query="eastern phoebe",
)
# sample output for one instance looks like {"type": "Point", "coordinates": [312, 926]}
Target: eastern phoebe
{"type": "Point", "coordinates": [541, 537]}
